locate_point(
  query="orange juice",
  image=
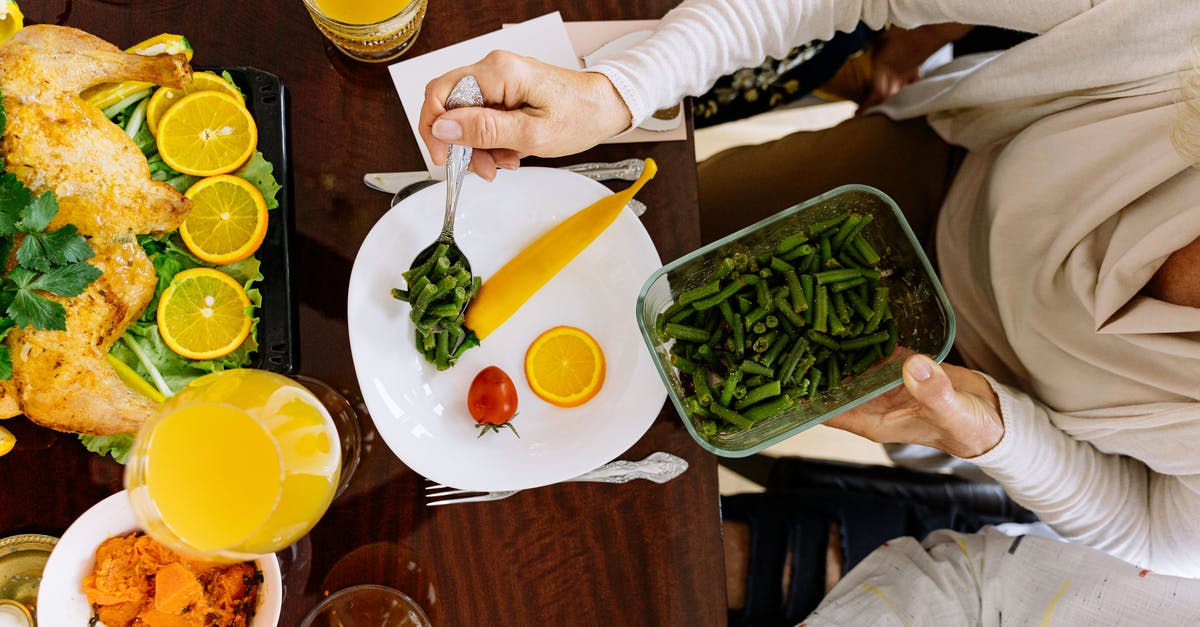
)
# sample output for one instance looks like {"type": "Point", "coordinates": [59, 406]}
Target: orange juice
{"type": "Point", "coordinates": [361, 11]}
{"type": "Point", "coordinates": [239, 463]}
{"type": "Point", "coordinates": [369, 30]}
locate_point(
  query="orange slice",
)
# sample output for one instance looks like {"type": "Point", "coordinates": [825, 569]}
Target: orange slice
{"type": "Point", "coordinates": [207, 133]}
{"type": "Point", "coordinates": [202, 314]}
{"type": "Point", "coordinates": [228, 220]}
{"type": "Point", "coordinates": [164, 97]}
{"type": "Point", "coordinates": [565, 366]}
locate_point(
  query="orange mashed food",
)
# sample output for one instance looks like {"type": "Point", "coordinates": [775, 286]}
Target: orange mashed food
{"type": "Point", "coordinates": [139, 582]}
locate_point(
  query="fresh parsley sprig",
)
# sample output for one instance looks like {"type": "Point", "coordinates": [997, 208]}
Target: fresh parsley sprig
{"type": "Point", "coordinates": [47, 262]}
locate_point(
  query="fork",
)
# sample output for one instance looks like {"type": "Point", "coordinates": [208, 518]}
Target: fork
{"type": "Point", "coordinates": [658, 467]}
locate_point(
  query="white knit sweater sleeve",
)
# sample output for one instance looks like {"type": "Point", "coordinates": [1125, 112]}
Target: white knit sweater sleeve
{"type": "Point", "coordinates": [701, 40]}
{"type": "Point", "coordinates": [1110, 502]}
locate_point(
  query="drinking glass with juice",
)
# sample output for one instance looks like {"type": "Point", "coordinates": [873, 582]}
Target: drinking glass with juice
{"type": "Point", "coordinates": [369, 30]}
{"type": "Point", "coordinates": [240, 463]}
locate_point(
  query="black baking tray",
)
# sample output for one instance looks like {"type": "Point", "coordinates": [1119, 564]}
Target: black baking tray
{"type": "Point", "coordinates": [278, 345]}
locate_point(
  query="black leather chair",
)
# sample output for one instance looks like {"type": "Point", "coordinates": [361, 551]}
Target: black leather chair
{"type": "Point", "coordinates": [871, 504]}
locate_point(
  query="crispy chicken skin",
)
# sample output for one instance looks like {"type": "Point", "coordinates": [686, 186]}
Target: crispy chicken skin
{"type": "Point", "coordinates": [62, 378]}
{"type": "Point", "coordinates": [54, 140]}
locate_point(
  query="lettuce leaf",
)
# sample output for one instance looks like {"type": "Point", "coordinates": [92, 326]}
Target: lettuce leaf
{"type": "Point", "coordinates": [118, 446]}
{"type": "Point", "coordinates": [261, 174]}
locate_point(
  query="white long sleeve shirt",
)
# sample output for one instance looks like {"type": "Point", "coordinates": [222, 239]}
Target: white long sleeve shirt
{"type": "Point", "coordinates": [1070, 198]}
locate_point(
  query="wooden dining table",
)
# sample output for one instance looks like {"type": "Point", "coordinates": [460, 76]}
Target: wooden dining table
{"type": "Point", "coordinates": [566, 554]}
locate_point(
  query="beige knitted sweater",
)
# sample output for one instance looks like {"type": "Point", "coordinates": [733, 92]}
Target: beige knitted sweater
{"type": "Point", "coordinates": [1071, 197]}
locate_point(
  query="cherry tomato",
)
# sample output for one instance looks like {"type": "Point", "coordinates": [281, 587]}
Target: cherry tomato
{"type": "Point", "coordinates": [492, 400]}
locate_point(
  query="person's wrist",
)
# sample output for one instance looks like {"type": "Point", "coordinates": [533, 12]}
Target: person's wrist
{"type": "Point", "coordinates": [609, 108]}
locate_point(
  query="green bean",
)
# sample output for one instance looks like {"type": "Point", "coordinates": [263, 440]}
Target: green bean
{"type": "Point", "coordinates": [859, 305]}
{"type": "Point", "coordinates": [685, 332]}
{"type": "Point", "coordinates": [842, 240]}
{"type": "Point", "coordinates": [793, 359]}
{"type": "Point", "coordinates": [700, 383]}
{"type": "Point", "coordinates": [763, 342]}
{"type": "Point", "coordinates": [777, 348]}
{"type": "Point", "coordinates": [833, 373]}
{"type": "Point", "coordinates": [822, 339]}
{"type": "Point", "coordinates": [818, 228]}
{"type": "Point", "coordinates": [820, 320]}
{"type": "Point", "coordinates": [834, 276]}
{"type": "Point", "coordinates": [788, 312]}
{"type": "Point", "coordinates": [863, 341]}
{"type": "Point", "coordinates": [696, 293]}
{"type": "Point", "coordinates": [684, 364]}
{"type": "Point", "coordinates": [695, 407]}
{"type": "Point", "coordinates": [771, 321]}
{"type": "Point", "coordinates": [753, 317]}
{"type": "Point", "coordinates": [842, 286]}
{"type": "Point", "coordinates": [753, 367]}
{"type": "Point", "coordinates": [726, 312]}
{"type": "Point", "coordinates": [814, 380]}
{"type": "Point", "coordinates": [719, 297]}
{"type": "Point", "coordinates": [759, 394]}
{"type": "Point", "coordinates": [411, 276]}
{"type": "Point", "coordinates": [780, 265]}
{"type": "Point", "coordinates": [448, 310]}
{"type": "Point", "coordinates": [763, 296]}
{"type": "Point", "coordinates": [729, 387]}
{"type": "Point", "coordinates": [768, 409]}
{"type": "Point", "coordinates": [847, 228]}
{"type": "Point", "coordinates": [730, 416]}
{"type": "Point", "coordinates": [799, 252]}
{"type": "Point", "coordinates": [739, 335]}
{"type": "Point", "coordinates": [423, 300]}
{"type": "Point", "coordinates": [878, 308]}
{"type": "Point", "coordinates": [790, 242]}
{"type": "Point", "coordinates": [865, 250]}
{"type": "Point", "coordinates": [795, 291]}
{"type": "Point", "coordinates": [400, 294]}
{"type": "Point", "coordinates": [442, 355]}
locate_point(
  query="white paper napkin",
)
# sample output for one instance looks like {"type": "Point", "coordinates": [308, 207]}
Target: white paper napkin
{"type": "Point", "coordinates": [543, 38]}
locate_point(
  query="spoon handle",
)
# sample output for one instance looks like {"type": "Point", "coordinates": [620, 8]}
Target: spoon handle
{"type": "Point", "coordinates": [465, 93]}
{"type": "Point", "coordinates": [456, 170]}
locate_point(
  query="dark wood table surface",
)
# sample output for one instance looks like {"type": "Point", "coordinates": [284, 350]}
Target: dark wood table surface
{"type": "Point", "coordinates": [568, 554]}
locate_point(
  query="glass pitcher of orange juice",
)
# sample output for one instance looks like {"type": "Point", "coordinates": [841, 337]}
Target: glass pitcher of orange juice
{"type": "Point", "coordinates": [239, 463]}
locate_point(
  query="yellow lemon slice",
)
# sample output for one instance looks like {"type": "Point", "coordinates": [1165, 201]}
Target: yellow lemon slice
{"type": "Point", "coordinates": [565, 366]}
{"type": "Point", "coordinates": [7, 441]}
{"type": "Point", "coordinates": [206, 133]}
{"type": "Point", "coordinates": [202, 314]}
{"type": "Point", "coordinates": [167, 96]}
{"type": "Point", "coordinates": [11, 19]}
{"type": "Point", "coordinates": [228, 220]}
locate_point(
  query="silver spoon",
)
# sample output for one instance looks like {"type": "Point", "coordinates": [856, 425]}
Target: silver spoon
{"type": "Point", "coordinates": [466, 93]}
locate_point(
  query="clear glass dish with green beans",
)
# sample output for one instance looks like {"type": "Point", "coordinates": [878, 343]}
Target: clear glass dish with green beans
{"type": "Point", "coordinates": [793, 320]}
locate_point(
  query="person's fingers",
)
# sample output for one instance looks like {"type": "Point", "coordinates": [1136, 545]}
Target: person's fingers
{"type": "Point", "coordinates": [483, 164]}
{"type": "Point", "coordinates": [483, 127]}
{"type": "Point", "coordinates": [507, 159]}
{"type": "Point", "coordinates": [968, 417]}
{"type": "Point", "coordinates": [930, 386]}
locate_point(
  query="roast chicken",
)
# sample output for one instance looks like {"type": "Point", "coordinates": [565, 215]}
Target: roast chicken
{"type": "Point", "coordinates": [54, 140]}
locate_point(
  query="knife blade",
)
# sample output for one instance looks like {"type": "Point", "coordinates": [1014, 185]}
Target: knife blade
{"type": "Point", "coordinates": [627, 170]}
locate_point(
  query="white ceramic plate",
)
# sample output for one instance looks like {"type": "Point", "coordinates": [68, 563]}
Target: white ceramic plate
{"type": "Point", "coordinates": [61, 600]}
{"type": "Point", "coordinates": [422, 413]}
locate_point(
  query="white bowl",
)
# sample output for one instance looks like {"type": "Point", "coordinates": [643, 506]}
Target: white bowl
{"type": "Point", "coordinates": [61, 600]}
